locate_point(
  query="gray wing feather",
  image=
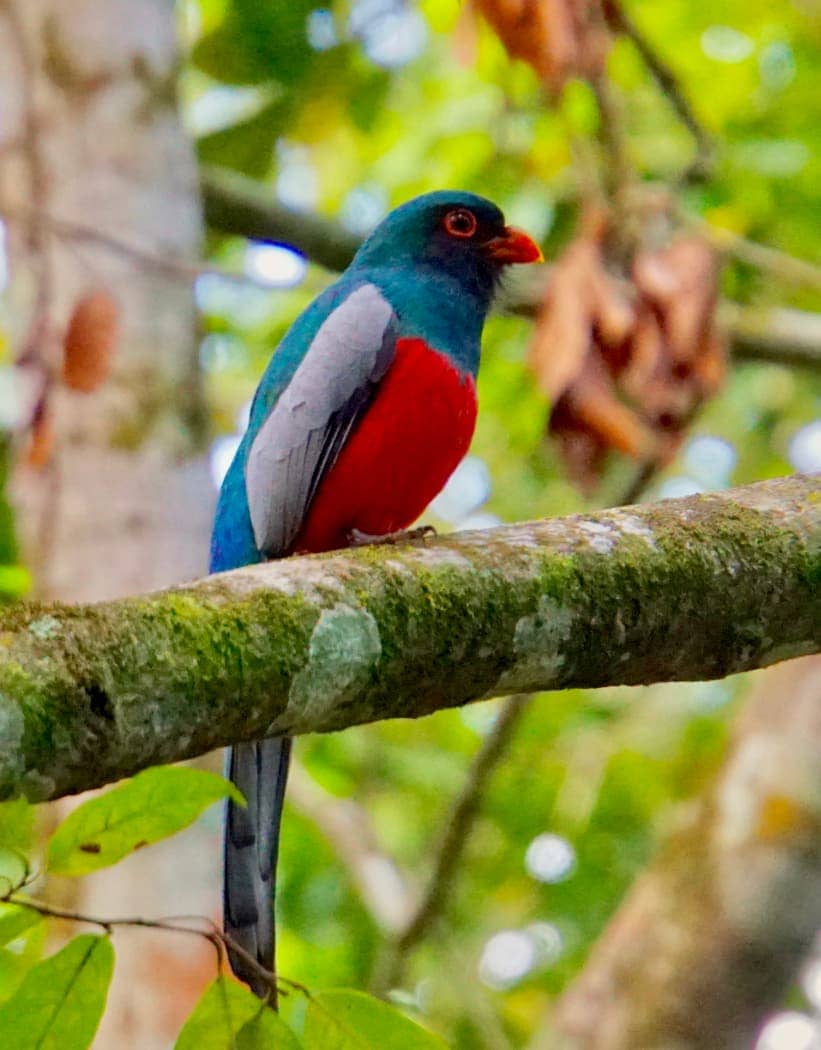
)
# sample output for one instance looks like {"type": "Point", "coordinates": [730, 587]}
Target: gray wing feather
{"type": "Point", "coordinates": [303, 435]}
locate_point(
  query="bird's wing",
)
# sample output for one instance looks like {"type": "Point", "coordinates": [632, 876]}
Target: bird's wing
{"type": "Point", "coordinates": [300, 439]}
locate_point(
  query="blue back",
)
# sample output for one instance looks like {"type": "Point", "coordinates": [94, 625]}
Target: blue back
{"type": "Point", "coordinates": [438, 294]}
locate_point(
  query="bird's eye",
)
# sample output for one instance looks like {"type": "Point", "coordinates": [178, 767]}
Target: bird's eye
{"type": "Point", "coordinates": [460, 223]}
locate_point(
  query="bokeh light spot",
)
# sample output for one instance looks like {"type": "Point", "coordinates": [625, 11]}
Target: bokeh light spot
{"type": "Point", "coordinates": [276, 265]}
{"type": "Point", "coordinates": [506, 958]}
{"type": "Point", "coordinates": [321, 29]}
{"type": "Point", "coordinates": [392, 32]}
{"type": "Point", "coordinates": [710, 460]}
{"type": "Point", "coordinates": [220, 455]}
{"type": "Point", "coordinates": [790, 1030]}
{"type": "Point", "coordinates": [466, 490]}
{"type": "Point", "coordinates": [805, 448]}
{"type": "Point", "coordinates": [726, 44]}
{"type": "Point", "coordinates": [550, 858]}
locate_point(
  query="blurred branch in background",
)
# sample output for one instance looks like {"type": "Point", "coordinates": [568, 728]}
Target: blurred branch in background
{"type": "Point", "coordinates": [668, 83]}
{"type": "Point", "coordinates": [776, 333]}
{"type": "Point", "coordinates": [713, 932]}
{"type": "Point", "coordinates": [386, 891]}
{"type": "Point", "coordinates": [621, 597]}
{"type": "Point", "coordinates": [237, 205]}
{"type": "Point", "coordinates": [449, 852]}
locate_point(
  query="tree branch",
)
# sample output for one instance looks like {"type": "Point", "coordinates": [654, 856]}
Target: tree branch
{"type": "Point", "coordinates": [683, 589]}
{"type": "Point", "coordinates": [237, 205]}
{"type": "Point", "coordinates": [450, 850]}
{"type": "Point", "coordinates": [668, 83]}
{"type": "Point", "coordinates": [777, 334]}
{"type": "Point", "coordinates": [385, 890]}
{"type": "Point", "coordinates": [712, 933]}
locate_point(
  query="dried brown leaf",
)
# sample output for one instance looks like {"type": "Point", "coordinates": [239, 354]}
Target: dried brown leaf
{"type": "Point", "coordinates": [558, 38]}
{"type": "Point", "coordinates": [563, 332]}
{"type": "Point", "coordinates": [90, 341]}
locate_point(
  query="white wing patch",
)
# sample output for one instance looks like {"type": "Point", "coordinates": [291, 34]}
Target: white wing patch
{"type": "Point", "coordinates": [305, 430]}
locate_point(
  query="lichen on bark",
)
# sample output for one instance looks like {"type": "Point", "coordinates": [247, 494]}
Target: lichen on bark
{"type": "Point", "coordinates": [682, 589]}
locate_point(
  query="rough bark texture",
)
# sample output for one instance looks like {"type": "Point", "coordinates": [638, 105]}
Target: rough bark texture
{"type": "Point", "coordinates": [90, 134]}
{"type": "Point", "coordinates": [712, 934]}
{"type": "Point", "coordinates": [695, 588]}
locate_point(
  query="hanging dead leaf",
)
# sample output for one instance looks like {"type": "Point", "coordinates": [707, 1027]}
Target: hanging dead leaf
{"type": "Point", "coordinates": [626, 362]}
{"type": "Point", "coordinates": [689, 313]}
{"type": "Point", "coordinates": [590, 420]}
{"type": "Point", "coordinates": [594, 403]}
{"type": "Point", "coordinates": [558, 38]}
{"type": "Point", "coordinates": [90, 341]}
{"type": "Point", "coordinates": [612, 309]}
{"type": "Point", "coordinates": [564, 329]}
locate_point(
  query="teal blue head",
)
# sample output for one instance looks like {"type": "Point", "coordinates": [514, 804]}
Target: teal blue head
{"type": "Point", "coordinates": [451, 233]}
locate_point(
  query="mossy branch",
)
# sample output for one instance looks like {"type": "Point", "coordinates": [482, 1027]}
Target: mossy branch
{"type": "Point", "coordinates": [694, 588]}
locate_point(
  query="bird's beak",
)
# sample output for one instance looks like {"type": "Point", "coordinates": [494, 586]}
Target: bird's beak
{"type": "Point", "coordinates": [513, 246]}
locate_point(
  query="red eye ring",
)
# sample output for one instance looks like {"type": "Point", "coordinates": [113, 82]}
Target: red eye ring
{"type": "Point", "coordinates": [460, 223]}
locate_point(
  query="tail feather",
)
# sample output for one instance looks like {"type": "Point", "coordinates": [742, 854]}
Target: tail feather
{"type": "Point", "coordinates": [260, 771]}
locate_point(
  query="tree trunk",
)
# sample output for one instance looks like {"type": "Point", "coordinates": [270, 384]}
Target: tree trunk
{"type": "Point", "coordinates": [91, 135]}
{"type": "Point", "coordinates": [712, 934]}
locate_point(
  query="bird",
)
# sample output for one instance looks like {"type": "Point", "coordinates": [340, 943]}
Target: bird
{"type": "Point", "coordinates": [365, 409]}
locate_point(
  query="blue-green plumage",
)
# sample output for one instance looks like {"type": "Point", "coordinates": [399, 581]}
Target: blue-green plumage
{"type": "Point", "coordinates": [425, 276]}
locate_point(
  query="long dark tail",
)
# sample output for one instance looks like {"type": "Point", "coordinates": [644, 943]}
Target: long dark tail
{"type": "Point", "coordinates": [260, 771]}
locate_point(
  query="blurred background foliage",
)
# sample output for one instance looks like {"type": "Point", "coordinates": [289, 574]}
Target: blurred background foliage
{"type": "Point", "coordinates": [344, 111]}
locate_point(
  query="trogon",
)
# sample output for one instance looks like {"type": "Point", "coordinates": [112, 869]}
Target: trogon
{"type": "Point", "coordinates": [365, 409]}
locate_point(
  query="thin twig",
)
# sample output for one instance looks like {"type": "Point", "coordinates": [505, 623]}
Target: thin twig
{"type": "Point", "coordinates": [618, 172]}
{"type": "Point", "coordinates": [781, 264]}
{"type": "Point", "coordinates": [33, 343]}
{"type": "Point", "coordinates": [181, 269]}
{"type": "Point", "coordinates": [462, 816]}
{"type": "Point", "coordinates": [668, 83]}
{"type": "Point", "coordinates": [34, 352]}
{"type": "Point", "coordinates": [457, 825]}
{"type": "Point", "coordinates": [221, 941]}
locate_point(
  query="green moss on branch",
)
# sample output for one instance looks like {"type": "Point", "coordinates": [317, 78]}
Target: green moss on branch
{"type": "Point", "coordinates": [685, 589]}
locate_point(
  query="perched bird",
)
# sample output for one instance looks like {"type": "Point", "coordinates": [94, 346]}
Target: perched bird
{"type": "Point", "coordinates": [365, 409]}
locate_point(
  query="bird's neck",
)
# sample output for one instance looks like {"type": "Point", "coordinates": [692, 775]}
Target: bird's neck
{"type": "Point", "coordinates": [438, 307]}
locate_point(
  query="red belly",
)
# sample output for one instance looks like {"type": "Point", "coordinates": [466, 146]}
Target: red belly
{"type": "Point", "coordinates": [417, 429]}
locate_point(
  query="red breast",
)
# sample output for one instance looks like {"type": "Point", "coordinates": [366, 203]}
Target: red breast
{"type": "Point", "coordinates": [415, 432]}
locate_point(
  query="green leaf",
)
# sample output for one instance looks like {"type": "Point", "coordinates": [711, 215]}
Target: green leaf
{"type": "Point", "coordinates": [345, 1020]}
{"type": "Point", "coordinates": [249, 145]}
{"type": "Point", "coordinates": [61, 1000]}
{"type": "Point", "coordinates": [258, 42]}
{"type": "Point", "coordinates": [16, 824]}
{"type": "Point", "coordinates": [266, 1031]}
{"type": "Point", "coordinates": [13, 870]}
{"type": "Point", "coordinates": [229, 1016]}
{"type": "Point", "coordinates": [14, 920]}
{"type": "Point", "coordinates": [152, 805]}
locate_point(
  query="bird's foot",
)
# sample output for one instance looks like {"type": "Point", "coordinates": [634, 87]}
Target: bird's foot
{"type": "Point", "coordinates": [357, 538]}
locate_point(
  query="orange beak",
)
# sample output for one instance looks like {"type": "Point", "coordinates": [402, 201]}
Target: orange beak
{"type": "Point", "coordinates": [513, 246]}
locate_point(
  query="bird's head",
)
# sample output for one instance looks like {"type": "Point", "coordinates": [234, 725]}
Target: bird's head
{"type": "Point", "coordinates": [453, 232]}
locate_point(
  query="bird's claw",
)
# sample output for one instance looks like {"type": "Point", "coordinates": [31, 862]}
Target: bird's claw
{"type": "Point", "coordinates": [357, 538]}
